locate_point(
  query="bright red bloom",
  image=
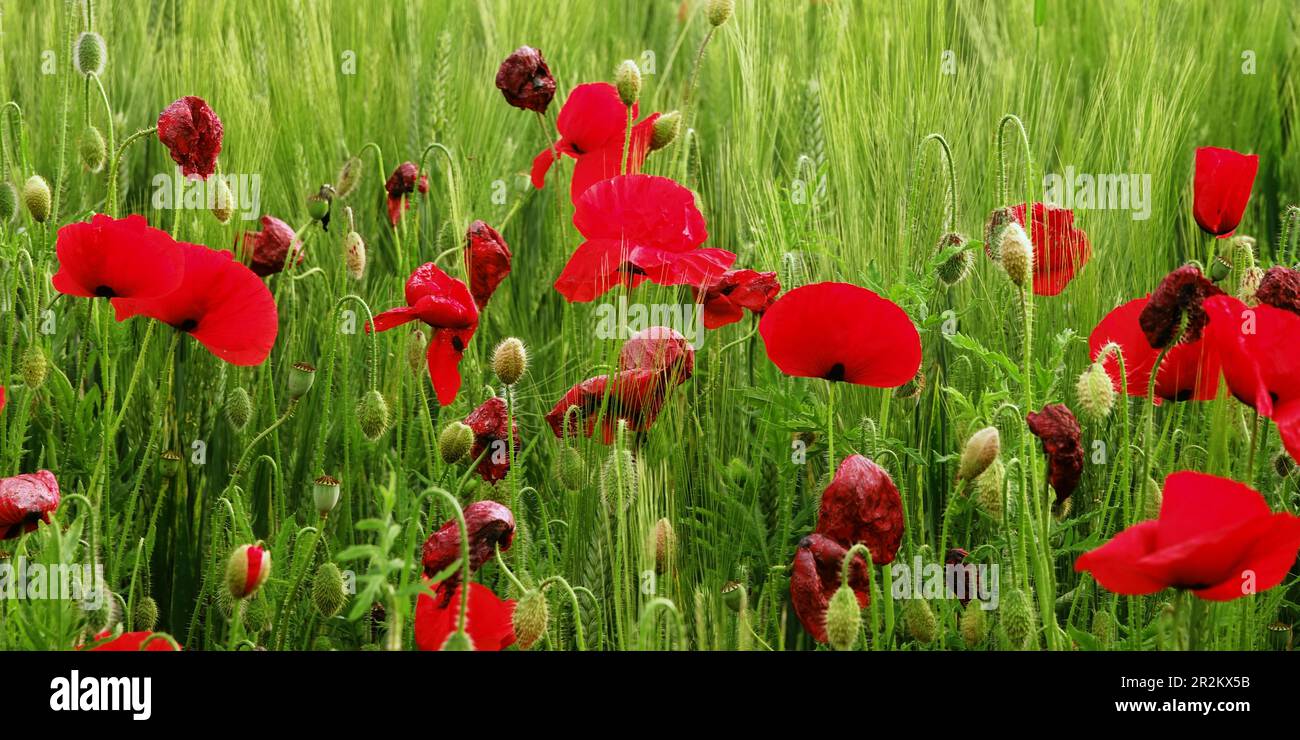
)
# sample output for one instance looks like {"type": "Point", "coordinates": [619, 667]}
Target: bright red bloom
{"type": "Point", "coordinates": [490, 423]}
{"type": "Point", "coordinates": [487, 261]}
{"type": "Point", "coordinates": [117, 258]}
{"type": "Point", "coordinates": [839, 331]}
{"type": "Point", "coordinates": [1058, 430]}
{"type": "Point", "coordinates": [1189, 371]}
{"type": "Point", "coordinates": [489, 525]}
{"type": "Point", "coordinates": [268, 250]}
{"type": "Point", "coordinates": [638, 228]}
{"type": "Point", "coordinates": [219, 302]}
{"type": "Point", "coordinates": [489, 621]}
{"type": "Point", "coordinates": [192, 133]}
{"type": "Point", "coordinates": [634, 396]}
{"type": "Point", "coordinates": [1214, 536]}
{"type": "Point", "coordinates": [1221, 189]}
{"type": "Point", "coordinates": [525, 80]}
{"type": "Point", "coordinates": [406, 179]}
{"type": "Point", "coordinates": [725, 300]}
{"type": "Point", "coordinates": [26, 501]}
{"type": "Point", "coordinates": [132, 642]}
{"type": "Point", "coordinates": [445, 304]}
{"type": "Point", "coordinates": [593, 126]}
{"type": "Point", "coordinates": [815, 577]}
{"type": "Point", "coordinates": [1060, 249]}
{"type": "Point", "coordinates": [862, 505]}
{"type": "Point", "coordinates": [660, 349]}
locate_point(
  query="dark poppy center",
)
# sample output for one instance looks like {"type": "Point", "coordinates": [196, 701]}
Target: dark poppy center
{"type": "Point", "coordinates": [188, 325]}
{"type": "Point", "coordinates": [457, 345]}
{"type": "Point", "coordinates": [836, 372]}
{"type": "Point", "coordinates": [104, 291]}
{"type": "Point", "coordinates": [627, 268]}
{"type": "Point", "coordinates": [33, 517]}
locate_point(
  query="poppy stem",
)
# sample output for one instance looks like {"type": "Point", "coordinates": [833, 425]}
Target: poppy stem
{"type": "Point", "coordinates": [12, 112]}
{"type": "Point", "coordinates": [463, 530]}
{"type": "Point", "coordinates": [111, 202]}
{"type": "Point", "coordinates": [1140, 504]}
{"type": "Point", "coordinates": [1287, 244]}
{"type": "Point", "coordinates": [108, 113]}
{"type": "Point", "coordinates": [830, 426]}
{"type": "Point", "coordinates": [453, 195]}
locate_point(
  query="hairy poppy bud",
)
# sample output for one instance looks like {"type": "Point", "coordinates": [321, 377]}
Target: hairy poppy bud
{"type": "Point", "coordinates": [458, 642]}
{"type": "Point", "coordinates": [1017, 254]}
{"type": "Point", "coordinates": [454, 442]}
{"type": "Point", "coordinates": [170, 462]}
{"type": "Point", "coordinates": [974, 625]}
{"type": "Point", "coordinates": [531, 618]}
{"type": "Point", "coordinates": [1103, 628]}
{"type": "Point", "coordinates": [349, 176]}
{"type": "Point", "coordinates": [618, 479]}
{"type": "Point", "coordinates": [90, 54]}
{"type": "Point", "coordinates": [997, 223]}
{"type": "Point", "coordinates": [1018, 620]}
{"type": "Point", "coordinates": [327, 591]}
{"type": "Point", "coordinates": [144, 617]}
{"type": "Point", "coordinates": [843, 619]}
{"type": "Point", "coordinates": [223, 201]}
{"type": "Point", "coordinates": [1152, 500]}
{"type": "Point", "coordinates": [1096, 392]}
{"type": "Point", "coordinates": [301, 376]}
{"type": "Point", "coordinates": [325, 494]}
{"type": "Point", "coordinates": [666, 129]}
{"type": "Point", "coordinates": [1220, 268]}
{"type": "Point", "coordinates": [525, 80]}
{"type": "Point", "coordinates": [957, 266]}
{"type": "Point", "coordinates": [354, 248]}
{"type": "Point", "coordinates": [372, 415]}
{"type": "Point", "coordinates": [36, 196]}
{"type": "Point", "coordinates": [981, 450]}
{"type": "Point", "coordinates": [627, 79]}
{"type": "Point", "coordinates": [720, 10]}
{"type": "Point", "coordinates": [247, 570]}
{"type": "Point", "coordinates": [663, 543]}
{"type": "Point", "coordinates": [570, 470]}
{"type": "Point", "coordinates": [510, 361]}
{"type": "Point", "coordinates": [920, 620]}
{"type": "Point", "coordinates": [34, 367]}
{"type": "Point", "coordinates": [8, 202]}
{"type": "Point", "coordinates": [239, 408]}
{"type": "Point", "coordinates": [1283, 465]}
{"type": "Point", "coordinates": [91, 147]}
{"type": "Point", "coordinates": [988, 489]}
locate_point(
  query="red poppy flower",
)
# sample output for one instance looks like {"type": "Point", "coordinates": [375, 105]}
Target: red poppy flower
{"type": "Point", "coordinates": [862, 505]}
{"type": "Point", "coordinates": [487, 261]}
{"type": "Point", "coordinates": [117, 258]}
{"type": "Point", "coordinates": [268, 250]}
{"type": "Point", "coordinates": [525, 80]}
{"type": "Point", "coordinates": [2, 398]}
{"type": "Point", "coordinates": [815, 577]}
{"type": "Point", "coordinates": [489, 525]}
{"type": "Point", "coordinates": [593, 126]}
{"type": "Point", "coordinates": [638, 228]}
{"type": "Point", "coordinates": [1214, 536]}
{"type": "Point", "coordinates": [1060, 249]}
{"type": "Point", "coordinates": [839, 331]}
{"type": "Point", "coordinates": [725, 300]}
{"type": "Point", "coordinates": [132, 642]}
{"type": "Point", "coordinates": [219, 302]}
{"type": "Point", "coordinates": [490, 423]}
{"type": "Point", "coordinates": [660, 349]}
{"type": "Point", "coordinates": [406, 179]}
{"type": "Point", "coordinates": [192, 133]}
{"type": "Point", "coordinates": [1222, 188]}
{"type": "Point", "coordinates": [445, 304]}
{"type": "Point", "coordinates": [1180, 294]}
{"type": "Point", "coordinates": [1280, 288]}
{"type": "Point", "coordinates": [1189, 371]}
{"type": "Point", "coordinates": [489, 621]}
{"type": "Point", "coordinates": [634, 396]}
{"type": "Point", "coordinates": [1059, 432]}
{"type": "Point", "coordinates": [26, 501]}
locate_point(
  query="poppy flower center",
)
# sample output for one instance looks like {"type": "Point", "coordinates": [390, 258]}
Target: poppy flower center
{"type": "Point", "coordinates": [188, 325]}
{"type": "Point", "coordinates": [836, 372]}
{"type": "Point", "coordinates": [457, 345]}
{"type": "Point", "coordinates": [627, 268]}
{"type": "Point", "coordinates": [104, 291]}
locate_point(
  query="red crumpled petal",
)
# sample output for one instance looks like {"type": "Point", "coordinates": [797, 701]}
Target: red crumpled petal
{"type": "Point", "coordinates": [491, 425]}
{"type": "Point", "coordinates": [815, 577]}
{"type": "Point", "coordinates": [490, 525]}
{"type": "Point", "coordinates": [26, 501]}
{"type": "Point", "coordinates": [489, 620]}
{"type": "Point", "coordinates": [192, 134]}
{"type": "Point", "coordinates": [1058, 430]}
{"type": "Point", "coordinates": [862, 505]}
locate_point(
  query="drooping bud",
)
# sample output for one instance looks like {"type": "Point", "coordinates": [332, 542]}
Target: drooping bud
{"type": "Point", "coordinates": [510, 361]}
{"type": "Point", "coordinates": [663, 543]}
{"type": "Point", "coordinates": [144, 617]}
{"type": "Point", "coordinates": [8, 202]}
{"type": "Point", "coordinates": [618, 479]}
{"type": "Point", "coordinates": [301, 376]}
{"type": "Point", "coordinates": [1096, 392]}
{"type": "Point", "coordinates": [666, 129]}
{"type": "Point", "coordinates": [1283, 465]}
{"type": "Point", "coordinates": [1017, 254]}
{"type": "Point", "coordinates": [454, 442]}
{"type": "Point", "coordinates": [372, 415]}
{"type": "Point", "coordinates": [239, 408]}
{"type": "Point", "coordinates": [997, 223]}
{"type": "Point", "coordinates": [223, 201]}
{"type": "Point", "coordinates": [843, 619]}
{"type": "Point", "coordinates": [327, 591]}
{"type": "Point", "coordinates": [974, 625]}
{"type": "Point", "coordinates": [249, 567]}
{"type": "Point", "coordinates": [92, 149]}
{"type": "Point", "coordinates": [627, 79]}
{"type": "Point", "coordinates": [981, 450]}
{"type": "Point", "coordinates": [34, 367]}
{"type": "Point", "coordinates": [417, 343]}
{"type": "Point", "coordinates": [349, 176]}
{"type": "Point", "coordinates": [734, 595]}
{"type": "Point", "coordinates": [958, 265]}
{"type": "Point", "coordinates": [570, 470]}
{"type": "Point", "coordinates": [325, 494]}
{"type": "Point", "coordinates": [920, 620]}
{"type": "Point", "coordinates": [531, 617]}
{"type": "Point", "coordinates": [354, 248]}
{"type": "Point", "coordinates": [36, 196]}
{"type": "Point", "coordinates": [1018, 620]}
{"type": "Point", "coordinates": [720, 10]}
{"type": "Point", "coordinates": [988, 489]}
{"type": "Point", "coordinates": [1152, 500]}
{"type": "Point", "coordinates": [90, 54]}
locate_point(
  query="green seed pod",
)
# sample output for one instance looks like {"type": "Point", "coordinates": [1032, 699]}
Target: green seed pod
{"type": "Point", "coordinates": [570, 469]}
{"type": "Point", "coordinates": [1017, 254]}
{"type": "Point", "coordinates": [325, 494]}
{"type": "Point", "coordinates": [37, 196]}
{"type": "Point", "coordinates": [454, 442]}
{"type": "Point", "coordinates": [734, 595]}
{"type": "Point", "coordinates": [301, 377]}
{"type": "Point", "coordinates": [90, 54]}
{"type": "Point", "coordinates": [510, 361]}
{"type": "Point", "coordinates": [318, 206]}
{"type": "Point", "coordinates": [458, 642]}
{"type": "Point", "coordinates": [8, 202]}
{"type": "Point", "coordinates": [627, 79]}
{"type": "Point", "coordinates": [169, 463]}
{"type": "Point", "coordinates": [327, 591]}
{"type": "Point", "coordinates": [974, 625]}
{"type": "Point", "coordinates": [1096, 392]}
{"type": "Point", "coordinates": [988, 489]}
{"type": "Point", "coordinates": [239, 408]}
{"type": "Point", "coordinates": [843, 619]}
{"type": "Point", "coordinates": [1018, 621]}
{"type": "Point", "coordinates": [145, 615]}
{"type": "Point", "coordinates": [92, 149]}
{"type": "Point", "coordinates": [349, 176]}
{"type": "Point", "coordinates": [34, 367]}
{"type": "Point", "coordinates": [531, 618]}
{"type": "Point", "coordinates": [372, 415]}
{"type": "Point", "coordinates": [1220, 268]}
{"type": "Point", "coordinates": [666, 129]}
{"type": "Point", "coordinates": [920, 620]}
{"type": "Point", "coordinates": [1103, 628]}
{"type": "Point", "coordinates": [981, 450]}
{"type": "Point", "coordinates": [720, 10]}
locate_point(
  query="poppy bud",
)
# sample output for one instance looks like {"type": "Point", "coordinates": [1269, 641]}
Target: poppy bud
{"type": "Point", "coordinates": [258, 615]}
{"type": "Point", "coordinates": [223, 201]}
{"type": "Point", "coordinates": [454, 442]}
{"type": "Point", "coordinates": [1220, 268]}
{"type": "Point", "coordinates": [510, 361]}
{"type": "Point", "coordinates": [301, 376]}
{"type": "Point", "coordinates": [327, 591]}
{"type": "Point", "coordinates": [1283, 465]}
{"type": "Point", "coordinates": [525, 80]}
{"type": "Point", "coordinates": [372, 415]}
{"type": "Point", "coordinates": [988, 489]}
{"type": "Point", "coordinates": [239, 408]}
{"type": "Point", "coordinates": [355, 255]}
{"type": "Point", "coordinates": [325, 494]}
{"type": "Point", "coordinates": [8, 202]}
{"type": "Point", "coordinates": [997, 223]}
{"type": "Point", "coordinates": [90, 54]}
{"type": "Point", "coordinates": [974, 626]}
{"type": "Point", "coordinates": [145, 615]}
{"type": "Point", "coordinates": [618, 479]}
{"type": "Point", "coordinates": [92, 149]}
{"type": "Point", "coordinates": [531, 618]}
{"type": "Point", "coordinates": [1152, 501]}
{"type": "Point", "coordinates": [416, 345]}
{"type": "Point", "coordinates": [627, 79]}
{"type": "Point", "coordinates": [36, 196]}
{"type": "Point", "coordinates": [1018, 620]}
{"type": "Point", "coordinates": [920, 620]}
{"type": "Point", "coordinates": [349, 176]}
{"type": "Point", "coordinates": [1096, 392]}
{"type": "Point", "coordinates": [843, 619]}
{"type": "Point", "coordinates": [663, 542]}
{"type": "Point", "coordinates": [956, 267]}
{"type": "Point", "coordinates": [1017, 254]}
{"type": "Point", "coordinates": [1251, 277]}
{"type": "Point", "coordinates": [170, 463]}
{"type": "Point", "coordinates": [1103, 628]}
{"type": "Point", "coordinates": [34, 367]}
{"type": "Point", "coordinates": [981, 450]}
{"type": "Point", "coordinates": [458, 642]}
{"type": "Point", "coordinates": [666, 129]}
{"type": "Point", "coordinates": [109, 613]}
{"type": "Point", "coordinates": [570, 469]}
{"type": "Point", "coordinates": [247, 570]}
{"type": "Point", "coordinates": [720, 10]}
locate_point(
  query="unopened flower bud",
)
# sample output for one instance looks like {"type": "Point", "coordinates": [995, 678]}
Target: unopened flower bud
{"type": "Point", "coordinates": [92, 149]}
{"type": "Point", "coordinates": [974, 626]}
{"type": "Point", "coordinates": [531, 618]}
{"type": "Point", "coordinates": [1017, 254]}
{"type": "Point", "coordinates": [1152, 500]}
{"type": "Point", "coordinates": [1096, 392]}
{"type": "Point", "coordinates": [325, 494]}
{"type": "Point", "coordinates": [988, 489]}
{"type": "Point", "coordinates": [355, 255]}
{"type": "Point", "coordinates": [627, 79]}
{"type": "Point", "coordinates": [1018, 620]}
{"type": "Point", "coordinates": [34, 367]}
{"type": "Point", "coordinates": [372, 415]}
{"type": "Point", "coordinates": [327, 591]}
{"type": "Point", "coordinates": [1103, 628]}
{"type": "Point", "coordinates": [665, 131]}
{"type": "Point", "coordinates": [920, 620]}
{"type": "Point", "coordinates": [720, 10]}
{"type": "Point", "coordinates": [417, 343]}
{"type": "Point", "coordinates": [36, 196]}
{"type": "Point", "coordinates": [570, 469]}
{"type": "Point", "coordinates": [958, 265]}
{"type": "Point", "coordinates": [349, 176]}
{"type": "Point", "coordinates": [981, 450]}
{"type": "Point", "coordinates": [510, 361]}
{"type": "Point", "coordinates": [301, 376]}
{"type": "Point", "coordinates": [843, 619]}
{"type": "Point", "coordinates": [223, 201]}
{"type": "Point", "coordinates": [454, 442]}
{"type": "Point", "coordinates": [239, 408]}
{"type": "Point", "coordinates": [249, 567]}
{"type": "Point", "coordinates": [8, 202]}
{"type": "Point", "coordinates": [90, 54]}
{"type": "Point", "coordinates": [663, 542]}
{"type": "Point", "coordinates": [144, 617]}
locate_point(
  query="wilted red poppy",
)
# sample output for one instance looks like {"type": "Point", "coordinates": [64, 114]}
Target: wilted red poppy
{"type": "Point", "coordinates": [839, 331]}
{"type": "Point", "coordinates": [815, 577]}
{"type": "Point", "coordinates": [862, 505]}
{"type": "Point", "coordinates": [219, 302]}
{"type": "Point", "coordinates": [525, 80]}
{"type": "Point", "coordinates": [490, 423]}
{"type": "Point", "coordinates": [406, 179]}
{"type": "Point", "coordinates": [1180, 294]}
{"type": "Point", "coordinates": [268, 250]}
{"type": "Point", "coordinates": [132, 642]}
{"type": "Point", "coordinates": [445, 304]}
{"type": "Point", "coordinates": [1058, 430]}
{"type": "Point", "coordinates": [593, 126]}
{"type": "Point", "coordinates": [1280, 288]}
{"type": "Point", "coordinates": [633, 396]}
{"type": "Point", "coordinates": [192, 133]}
{"type": "Point", "coordinates": [1060, 248]}
{"type": "Point", "coordinates": [487, 261]}
{"type": "Point", "coordinates": [661, 349]}
{"type": "Point", "coordinates": [725, 300]}
{"type": "Point", "coordinates": [639, 227]}
{"type": "Point", "coordinates": [26, 501]}
{"type": "Point", "coordinates": [489, 621]}
{"type": "Point", "coordinates": [1222, 188]}
{"type": "Point", "coordinates": [1189, 371]}
{"type": "Point", "coordinates": [1214, 536]}
{"type": "Point", "coordinates": [489, 525]}
{"type": "Point", "coordinates": [116, 258]}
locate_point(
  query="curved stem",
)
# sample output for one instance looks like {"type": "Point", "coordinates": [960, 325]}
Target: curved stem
{"type": "Point", "coordinates": [108, 112]}
{"type": "Point", "coordinates": [111, 205]}
{"type": "Point", "coordinates": [243, 459]}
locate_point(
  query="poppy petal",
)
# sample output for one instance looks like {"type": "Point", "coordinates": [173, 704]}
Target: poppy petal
{"type": "Point", "coordinates": [1221, 189]}
{"type": "Point", "coordinates": [122, 258]}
